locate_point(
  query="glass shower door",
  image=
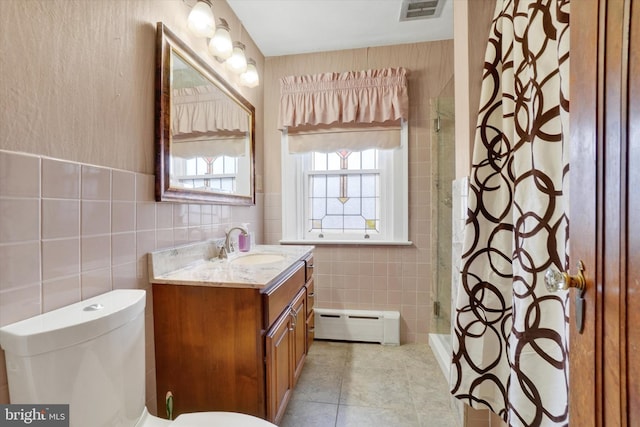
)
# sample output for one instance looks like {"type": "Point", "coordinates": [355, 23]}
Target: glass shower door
{"type": "Point", "coordinates": [444, 156]}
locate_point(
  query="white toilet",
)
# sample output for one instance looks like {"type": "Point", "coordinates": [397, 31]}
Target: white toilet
{"type": "Point", "coordinates": [90, 355]}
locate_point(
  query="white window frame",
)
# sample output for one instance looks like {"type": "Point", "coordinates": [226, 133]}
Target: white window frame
{"type": "Point", "coordinates": [394, 208]}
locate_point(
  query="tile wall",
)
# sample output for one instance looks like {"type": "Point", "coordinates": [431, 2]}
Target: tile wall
{"type": "Point", "coordinates": [70, 231]}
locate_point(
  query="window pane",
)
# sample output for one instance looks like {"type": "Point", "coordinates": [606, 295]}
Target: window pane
{"type": "Point", "coordinates": [369, 159]}
{"type": "Point", "coordinates": [230, 165]}
{"type": "Point", "coordinates": [332, 222]}
{"type": "Point", "coordinates": [352, 207]}
{"type": "Point", "coordinates": [354, 161]}
{"type": "Point", "coordinates": [201, 166]}
{"type": "Point", "coordinates": [333, 160]}
{"type": "Point", "coordinates": [318, 186]}
{"type": "Point", "coordinates": [354, 222]}
{"type": "Point", "coordinates": [319, 161]}
{"type": "Point", "coordinates": [226, 184]}
{"type": "Point", "coordinates": [191, 167]}
{"type": "Point", "coordinates": [370, 208]}
{"type": "Point", "coordinates": [333, 186]}
{"type": "Point", "coordinates": [343, 202]}
{"type": "Point", "coordinates": [369, 185]}
{"type": "Point", "coordinates": [318, 208]}
{"type": "Point", "coordinates": [334, 207]}
{"type": "Point", "coordinates": [353, 185]}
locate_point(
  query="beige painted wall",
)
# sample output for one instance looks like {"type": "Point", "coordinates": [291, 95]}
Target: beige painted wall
{"type": "Point", "coordinates": [364, 277]}
{"type": "Point", "coordinates": [77, 210]}
{"type": "Point", "coordinates": [472, 20]}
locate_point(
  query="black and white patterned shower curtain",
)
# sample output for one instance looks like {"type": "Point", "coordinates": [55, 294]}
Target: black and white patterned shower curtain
{"type": "Point", "coordinates": [510, 338]}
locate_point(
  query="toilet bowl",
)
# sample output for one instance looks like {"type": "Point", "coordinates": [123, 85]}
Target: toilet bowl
{"type": "Point", "coordinates": [204, 419]}
{"type": "Point", "coordinates": [90, 355]}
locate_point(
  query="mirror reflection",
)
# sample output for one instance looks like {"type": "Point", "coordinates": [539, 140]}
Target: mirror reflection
{"type": "Point", "coordinates": [208, 131]}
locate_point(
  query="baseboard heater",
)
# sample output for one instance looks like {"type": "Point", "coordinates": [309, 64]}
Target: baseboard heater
{"type": "Point", "coordinates": [358, 325]}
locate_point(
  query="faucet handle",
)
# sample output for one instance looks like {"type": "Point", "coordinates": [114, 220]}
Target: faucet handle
{"type": "Point", "coordinates": [222, 251]}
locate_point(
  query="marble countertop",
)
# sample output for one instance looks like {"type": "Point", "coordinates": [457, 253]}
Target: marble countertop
{"type": "Point", "coordinates": [177, 266]}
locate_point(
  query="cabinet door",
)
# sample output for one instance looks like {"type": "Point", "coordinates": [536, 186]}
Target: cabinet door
{"type": "Point", "coordinates": [311, 296]}
{"type": "Point", "coordinates": [299, 314]}
{"type": "Point", "coordinates": [280, 365]}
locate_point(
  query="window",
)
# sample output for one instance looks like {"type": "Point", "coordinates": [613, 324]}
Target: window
{"type": "Point", "coordinates": [210, 173]}
{"type": "Point", "coordinates": [346, 196]}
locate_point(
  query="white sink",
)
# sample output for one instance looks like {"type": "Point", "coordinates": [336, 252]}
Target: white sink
{"type": "Point", "coordinates": [254, 259]}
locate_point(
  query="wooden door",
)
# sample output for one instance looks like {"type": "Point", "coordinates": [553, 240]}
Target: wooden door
{"type": "Point", "coordinates": [299, 314]}
{"type": "Point", "coordinates": [605, 211]}
{"type": "Point", "coordinates": [279, 349]}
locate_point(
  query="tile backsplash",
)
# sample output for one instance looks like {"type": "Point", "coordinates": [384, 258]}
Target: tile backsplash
{"type": "Point", "coordinates": [70, 231]}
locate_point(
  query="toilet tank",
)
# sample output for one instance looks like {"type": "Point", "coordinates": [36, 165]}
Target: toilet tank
{"type": "Point", "coordinates": [89, 355]}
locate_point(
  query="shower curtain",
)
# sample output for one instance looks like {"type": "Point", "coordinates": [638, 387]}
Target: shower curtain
{"type": "Point", "coordinates": [510, 337]}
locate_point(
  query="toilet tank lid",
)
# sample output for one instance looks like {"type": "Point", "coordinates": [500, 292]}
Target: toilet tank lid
{"type": "Point", "coordinates": [73, 324]}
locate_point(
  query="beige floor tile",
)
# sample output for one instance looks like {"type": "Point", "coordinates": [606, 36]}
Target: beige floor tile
{"type": "Point", "coordinates": [356, 416]}
{"type": "Point", "coordinates": [376, 387]}
{"type": "Point", "coordinates": [309, 414]}
{"type": "Point", "coordinates": [319, 383]}
{"type": "Point", "coordinates": [436, 418]}
{"type": "Point", "coordinates": [369, 385]}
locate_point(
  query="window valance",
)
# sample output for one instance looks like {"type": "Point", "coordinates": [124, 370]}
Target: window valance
{"type": "Point", "coordinates": [355, 97]}
{"type": "Point", "coordinates": [210, 147]}
{"type": "Point", "coordinates": [325, 139]}
{"type": "Point", "coordinates": [204, 110]}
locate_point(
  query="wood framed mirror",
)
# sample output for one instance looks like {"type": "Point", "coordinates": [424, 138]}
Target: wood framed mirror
{"type": "Point", "coordinates": [204, 128]}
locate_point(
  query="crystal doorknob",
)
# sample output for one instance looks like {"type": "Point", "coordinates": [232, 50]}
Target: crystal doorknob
{"type": "Point", "coordinates": [557, 281]}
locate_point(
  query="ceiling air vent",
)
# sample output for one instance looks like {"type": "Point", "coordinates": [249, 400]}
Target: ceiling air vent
{"type": "Point", "coordinates": [420, 9]}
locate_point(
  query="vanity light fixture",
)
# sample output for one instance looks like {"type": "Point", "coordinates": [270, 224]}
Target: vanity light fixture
{"type": "Point", "coordinates": [237, 62]}
{"type": "Point", "coordinates": [250, 77]}
{"type": "Point", "coordinates": [221, 45]}
{"type": "Point", "coordinates": [201, 21]}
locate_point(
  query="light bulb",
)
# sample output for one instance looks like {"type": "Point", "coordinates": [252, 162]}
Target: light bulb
{"type": "Point", "coordinates": [221, 46]}
{"type": "Point", "coordinates": [201, 21]}
{"type": "Point", "coordinates": [237, 62]}
{"type": "Point", "coordinates": [250, 77]}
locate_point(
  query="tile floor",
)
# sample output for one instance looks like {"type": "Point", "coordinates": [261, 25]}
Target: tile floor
{"type": "Point", "coordinates": [369, 385]}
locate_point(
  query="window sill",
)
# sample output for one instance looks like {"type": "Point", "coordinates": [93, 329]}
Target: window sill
{"type": "Point", "coordinates": [348, 242]}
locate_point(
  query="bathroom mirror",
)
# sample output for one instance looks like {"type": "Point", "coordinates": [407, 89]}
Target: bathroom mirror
{"type": "Point", "coordinates": [204, 130]}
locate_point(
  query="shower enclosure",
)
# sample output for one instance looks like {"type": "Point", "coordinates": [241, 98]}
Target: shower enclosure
{"type": "Point", "coordinates": [443, 167]}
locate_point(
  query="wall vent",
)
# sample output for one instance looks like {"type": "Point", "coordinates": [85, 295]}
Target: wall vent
{"type": "Point", "coordinates": [358, 325]}
{"type": "Point", "coordinates": [420, 9]}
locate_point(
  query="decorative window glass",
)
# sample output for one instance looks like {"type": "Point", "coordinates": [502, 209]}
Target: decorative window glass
{"type": "Point", "coordinates": [211, 173]}
{"type": "Point", "coordinates": [344, 193]}
{"type": "Point", "coordinates": [346, 196]}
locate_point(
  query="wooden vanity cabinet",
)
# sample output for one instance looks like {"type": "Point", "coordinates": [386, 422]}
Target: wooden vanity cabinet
{"type": "Point", "coordinates": [231, 349]}
{"type": "Point", "coordinates": [311, 296]}
{"type": "Point", "coordinates": [286, 352]}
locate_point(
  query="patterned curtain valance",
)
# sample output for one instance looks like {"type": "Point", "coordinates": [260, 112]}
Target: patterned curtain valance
{"type": "Point", "coordinates": [354, 97]}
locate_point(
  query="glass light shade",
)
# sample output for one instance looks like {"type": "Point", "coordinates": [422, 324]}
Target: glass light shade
{"type": "Point", "coordinates": [221, 45]}
{"type": "Point", "coordinates": [250, 77]}
{"type": "Point", "coordinates": [201, 21]}
{"type": "Point", "coordinates": [237, 62]}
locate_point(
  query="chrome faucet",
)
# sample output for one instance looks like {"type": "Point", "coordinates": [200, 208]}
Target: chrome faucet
{"type": "Point", "coordinates": [226, 248]}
